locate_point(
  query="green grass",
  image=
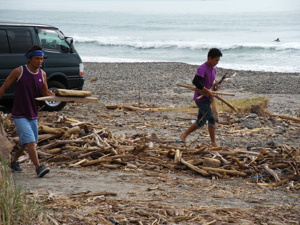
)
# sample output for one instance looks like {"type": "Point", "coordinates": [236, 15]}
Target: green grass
{"type": "Point", "coordinates": [245, 104]}
{"type": "Point", "coordinates": [15, 206]}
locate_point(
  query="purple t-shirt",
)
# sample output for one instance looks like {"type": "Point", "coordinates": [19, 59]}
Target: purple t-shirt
{"type": "Point", "coordinates": [27, 88]}
{"type": "Point", "coordinates": [209, 75]}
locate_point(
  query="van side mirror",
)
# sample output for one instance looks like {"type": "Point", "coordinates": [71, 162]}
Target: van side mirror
{"type": "Point", "coordinates": [69, 40]}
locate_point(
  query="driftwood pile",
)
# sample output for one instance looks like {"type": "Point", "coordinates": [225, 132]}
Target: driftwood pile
{"type": "Point", "coordinates": [80, 144]}
{"type": "Point", "coordinates": [77, 144]}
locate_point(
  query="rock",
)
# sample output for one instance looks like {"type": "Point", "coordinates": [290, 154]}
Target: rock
{"type": "Point", "coordinates": [209, 162]}
{"type": "Point", "coordinates": [251, 124]}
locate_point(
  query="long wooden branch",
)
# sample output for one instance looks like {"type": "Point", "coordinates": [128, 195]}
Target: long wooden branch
{"type": "Point", "coordinates": [60, 142]}
{"type": "Point", "coordinates": [196, 169]}
{"type": "Point", "coordinates": [231, 172]}
{"type": "Point", "coordinates": [271, 172]}
{"type": "Point", "coordinates": [296, 119]}
{"type": "Point", "coordinates": [203, 92]}
{"type": "Point", "coordinates": [227, 103]}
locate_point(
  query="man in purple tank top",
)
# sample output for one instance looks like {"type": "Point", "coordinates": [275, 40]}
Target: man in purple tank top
{"type": "Point", "coordinates": [204, 80]}
{"type": "Point", "coordinates": [30, 83]}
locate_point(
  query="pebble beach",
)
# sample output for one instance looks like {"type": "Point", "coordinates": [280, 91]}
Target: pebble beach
{"type": "Point", "coordinates": [146, 185]}
{"type": "Point", "coordinates": [155, 83]}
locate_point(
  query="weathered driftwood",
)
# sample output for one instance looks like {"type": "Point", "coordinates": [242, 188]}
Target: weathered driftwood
{"type": "Point", "coordinates": [196, 169]}
{"type": "Point", "coordinates": [106, 158]}
{"type": "Point", "coordinates": [78, 163]}
{"type": "Point", "coordinates": [72, 130]}
{"type": "Point", "coordinates": [221, 157]}
{"type": "Point", "coordinates": [68, 99]}
{"type": "Point", "coordinates": [67, 120]}
{"type": "Point", "coordinates": [271, 172]}
{"type": "Point", "coordinates": [72, 93]}
{"type": "Point", "coordinates": [41, 137]}
{"type": "Point", "coordinates": [135, 108]}
{"type": "Point", "coordinates": [203, 92]}
{"type": "Point", "coordinates": [54, 151]}
{"type": "Point", "coordinates": [44, 137]}
{"type": "Point", "coordinates": [5, 146]}
{"type": "Point", "coordinates": [214, 110]}
{"type": "Point", "coordinates": [210, 162]}
{"type": "Point", "coordinates": [99, 139]}
{"type": "Point", "coordinates": [50, 130]}
{"type": "Point", "coordinates": [296, 119]}
{"type": "Point", "coordinates": [240, 164]}
{"type": "Point", "coordinates": [230, 172]}
{"type": "Point", "coordinates": [177, 156]}
{"type": "Point", "coordinates": [61, 142]}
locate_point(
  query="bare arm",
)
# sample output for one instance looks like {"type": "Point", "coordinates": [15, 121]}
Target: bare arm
{"type": "Point", "coordinates": [12, 77]}
{"type": "Point", "coordinates": [45, 90]}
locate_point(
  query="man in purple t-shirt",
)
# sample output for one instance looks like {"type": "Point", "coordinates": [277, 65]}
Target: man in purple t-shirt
{"type": "Point", "coordinates": [30, 82]}
{"type": "Point", "coordinates": [204, 80]}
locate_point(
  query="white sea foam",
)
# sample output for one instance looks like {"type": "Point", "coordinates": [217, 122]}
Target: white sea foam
{"type": "Point", "coordinates": [142, 43]}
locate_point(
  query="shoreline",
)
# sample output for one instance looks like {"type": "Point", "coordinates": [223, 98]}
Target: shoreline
{"type": "Point", "coordinates": [188, 64]}
{"type": "Point", "coordinates": [155, 83]}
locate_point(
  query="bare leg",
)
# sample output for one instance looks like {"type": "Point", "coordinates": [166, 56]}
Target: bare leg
{"type": "Point", "coordinates": [191, 129]}
{"type": "Point", "coordinates": [211, 131]}
{"type": "Point", "coordinates": [31, 149]}
{"type": "Point", "coordinates": [18, 154]}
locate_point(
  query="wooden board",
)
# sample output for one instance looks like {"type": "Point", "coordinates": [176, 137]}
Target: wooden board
{"type": "Point", "coordinates": [72, 93]}
{"type": "Point", "coordinates": [67, 99]}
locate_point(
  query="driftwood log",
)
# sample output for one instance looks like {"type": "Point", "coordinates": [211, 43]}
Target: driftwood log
{"type": "Point", "coordinates": [5, 146]}
{"type": "Point", "coordinates": [72, 93]}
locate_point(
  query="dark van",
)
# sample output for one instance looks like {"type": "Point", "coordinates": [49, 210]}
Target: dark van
{"type": "Point", "coordinates": [62, 63]}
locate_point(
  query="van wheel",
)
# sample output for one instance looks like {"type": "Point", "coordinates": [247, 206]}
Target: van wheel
{"type": "Point", "coordinates": [54, 105]}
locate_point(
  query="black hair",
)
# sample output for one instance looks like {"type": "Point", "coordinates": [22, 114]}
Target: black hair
{"type": "Point", "coordinates": [214, 52]}
{"type": "Point", "coordinates": [34, 48]}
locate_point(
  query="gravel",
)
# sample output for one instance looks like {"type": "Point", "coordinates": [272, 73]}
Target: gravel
{"type": "Point", "coordinates": [155, 83]}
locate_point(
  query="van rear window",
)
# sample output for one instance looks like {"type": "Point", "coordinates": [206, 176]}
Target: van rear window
{"type": "Point", "coordinates": [19, 40]}
{"type": "Point", "coordinates": [4, 48]}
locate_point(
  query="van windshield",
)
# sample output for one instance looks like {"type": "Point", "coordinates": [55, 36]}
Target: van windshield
{"type": "Point", "coordinates": [53, 40]}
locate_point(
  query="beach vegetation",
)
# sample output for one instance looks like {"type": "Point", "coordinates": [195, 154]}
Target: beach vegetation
{"type": "Point", "coordinates": [15, 206]}
{"type": "Point", "coordinates": [257, 105]}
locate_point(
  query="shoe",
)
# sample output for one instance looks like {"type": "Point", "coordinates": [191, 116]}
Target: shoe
{"type": "Point", "coordinates": [42, 171]}
{"type": "Point", "coordinates": [15, 167]}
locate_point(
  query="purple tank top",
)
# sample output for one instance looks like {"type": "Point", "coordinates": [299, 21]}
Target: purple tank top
{"type": "Point", "coordinates": [27, 88]}
{"type": "Point", "coordinates": [208, 74]}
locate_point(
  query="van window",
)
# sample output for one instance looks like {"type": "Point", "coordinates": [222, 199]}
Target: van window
{"type": "Point", "coordinates": [4, 48]}
{"type": "Point", "coordinates": [53, 40]}
{"type": "Point", "coordinates": [20, 40]}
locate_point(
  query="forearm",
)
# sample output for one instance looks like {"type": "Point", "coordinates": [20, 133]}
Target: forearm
{"type": "Point", "coordinates": [7, 83]}
{"type": "Point", "coordinates": [2, 91]}
{"type": "Point", "coordinates": [46, 92]}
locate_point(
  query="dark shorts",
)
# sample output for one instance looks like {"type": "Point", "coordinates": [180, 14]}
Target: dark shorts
{"type": "Point", "coordinates": [205, 114]}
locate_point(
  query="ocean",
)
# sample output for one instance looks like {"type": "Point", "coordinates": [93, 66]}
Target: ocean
{"type": "Point", "coordinates": [173, 31]}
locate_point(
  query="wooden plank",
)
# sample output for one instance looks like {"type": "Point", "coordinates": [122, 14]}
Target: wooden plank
{"type": "Point", "coordinates": [67, 99]}
{"type": "Point", "coordinates": [72, 93]}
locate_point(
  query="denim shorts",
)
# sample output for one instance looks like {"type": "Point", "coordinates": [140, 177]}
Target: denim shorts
{"type": "Point", "coordinates": [27, 130]}
{"type": "Point", "coordinates": [205, 114]}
